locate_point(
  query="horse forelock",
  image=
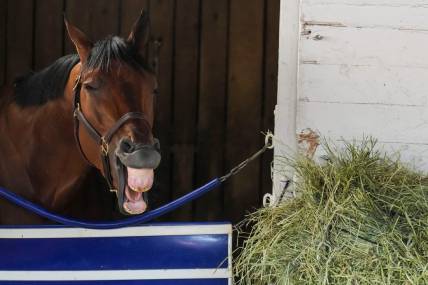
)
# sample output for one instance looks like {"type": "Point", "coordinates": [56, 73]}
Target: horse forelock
{"type": "Point", "coordinates": [112, 50]}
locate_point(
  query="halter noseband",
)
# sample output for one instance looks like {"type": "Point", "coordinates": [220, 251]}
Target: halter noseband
{"type": "Point", "coordinates": [102, 140]}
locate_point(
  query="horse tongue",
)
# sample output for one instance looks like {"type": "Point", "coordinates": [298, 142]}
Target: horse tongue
{"type": "Point", "coordinates": [139, 180]}
{"type": "Point", "coordinates": [134, 202]}
{"type": "Point", "coordinates": [133, 196]}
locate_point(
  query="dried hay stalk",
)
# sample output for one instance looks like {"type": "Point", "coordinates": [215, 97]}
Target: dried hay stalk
{"type": "Point", "coordinates": [361, 218]}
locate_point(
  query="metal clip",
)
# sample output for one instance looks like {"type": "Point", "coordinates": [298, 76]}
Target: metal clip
{"type": "Point", "coordinates": [104, 146]}
{"type": "Point", "coordinates": [76, 110]}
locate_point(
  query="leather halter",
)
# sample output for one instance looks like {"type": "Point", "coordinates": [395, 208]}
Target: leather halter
{"type": "Point", "coordinates": [102, 140]}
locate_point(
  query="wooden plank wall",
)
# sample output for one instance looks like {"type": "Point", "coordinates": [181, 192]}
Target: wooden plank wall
{"type": "Point", "coordinates": [217, 81]}
{"type": "Point", "coordinates": [364, 74]}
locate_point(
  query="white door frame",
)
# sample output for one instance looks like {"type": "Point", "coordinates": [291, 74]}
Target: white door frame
{"type": "Point", "coordinates": [286, 108]}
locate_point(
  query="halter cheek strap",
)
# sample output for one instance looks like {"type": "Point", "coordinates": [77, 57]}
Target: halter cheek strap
{"type": "Point", "coordinates": [102, 140]}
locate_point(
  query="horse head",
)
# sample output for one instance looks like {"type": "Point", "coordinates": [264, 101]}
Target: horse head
{"type": "Point", "coordinates": [114, 97]}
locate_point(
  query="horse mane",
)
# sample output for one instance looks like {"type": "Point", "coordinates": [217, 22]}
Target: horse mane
{"type": "Point", "coordinates": [113, 49]}
{"type": "Point", "coordinates": [37, 88]}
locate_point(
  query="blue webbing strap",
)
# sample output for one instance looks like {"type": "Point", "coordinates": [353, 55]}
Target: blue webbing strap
{"type": "Point", "coordinates": [143, 218]}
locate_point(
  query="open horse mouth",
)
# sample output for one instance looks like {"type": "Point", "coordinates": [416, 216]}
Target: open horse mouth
{"type": "Point", "coordinates": [138, 182]}
{"type": "Point", "coordinates": [135, 164]}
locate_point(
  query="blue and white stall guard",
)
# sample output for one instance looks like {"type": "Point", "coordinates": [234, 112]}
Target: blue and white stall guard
{"type": "Point", "coordinates": [192, 253]}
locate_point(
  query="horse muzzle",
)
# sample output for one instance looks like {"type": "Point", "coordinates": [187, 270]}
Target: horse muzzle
{"type": "Point", "coordinates": [138, 156]}
{"type": "Point", "coordinates": [135, 164]}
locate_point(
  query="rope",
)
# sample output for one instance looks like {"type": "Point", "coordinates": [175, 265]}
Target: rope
{"type": "Point", "coordinates": [143, 218]}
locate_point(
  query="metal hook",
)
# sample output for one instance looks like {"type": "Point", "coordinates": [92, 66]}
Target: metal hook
{"type": "Point", "coordinates": [269, 140]}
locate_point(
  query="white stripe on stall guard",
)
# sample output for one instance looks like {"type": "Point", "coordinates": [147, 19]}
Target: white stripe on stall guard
{"type": "Point", "coordinates": [230, 256]}
{"type": "Point", "coordinates": [115, 275]}
{"type": "Point", "coordinates": [124, 232]}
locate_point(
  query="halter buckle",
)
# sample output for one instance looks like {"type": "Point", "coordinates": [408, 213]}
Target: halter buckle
{"type": "Point", "coordinates": [104, 146]}
{"type": "Point", "coordinates": [76, 110]}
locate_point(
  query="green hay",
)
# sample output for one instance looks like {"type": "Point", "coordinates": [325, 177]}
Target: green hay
{"type": "Point", "coordinates": [361, 218]}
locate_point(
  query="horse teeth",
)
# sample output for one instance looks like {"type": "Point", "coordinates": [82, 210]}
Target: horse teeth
{"type": "Point", "coordinates": [144, 189]}
{"type": "Point", "coordinates": [126, 208]}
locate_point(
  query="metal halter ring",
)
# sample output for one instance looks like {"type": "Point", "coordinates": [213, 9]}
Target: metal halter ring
{"type": "Point", "coordinates": [104, 146]}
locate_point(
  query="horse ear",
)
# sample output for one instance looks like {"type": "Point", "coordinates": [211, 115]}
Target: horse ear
{"type": "Point", "coordinates": [80, 40]}
{"type": "Point", "coordinates": [140, 32]}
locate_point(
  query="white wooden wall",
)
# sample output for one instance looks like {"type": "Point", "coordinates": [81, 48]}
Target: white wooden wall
{"type": "Point", "coordinates": [349, 68]}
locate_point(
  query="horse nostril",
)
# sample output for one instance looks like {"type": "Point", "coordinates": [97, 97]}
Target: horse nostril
{"type": "Point", "coordinates": [126, 146]}
{"type": "Point", "coordinates": [138, 155]}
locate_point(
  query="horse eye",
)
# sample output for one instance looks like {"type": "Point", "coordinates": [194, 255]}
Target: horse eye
{"type": "Point", "coordinates": [90, 87]}
{"type": "Point", "coordinates": [156, 92]}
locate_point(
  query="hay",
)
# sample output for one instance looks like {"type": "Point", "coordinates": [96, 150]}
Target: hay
{"type": "Point", "coordinates": [361, 218]}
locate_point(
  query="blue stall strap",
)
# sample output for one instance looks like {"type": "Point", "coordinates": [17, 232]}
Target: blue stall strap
{"type": "Point", "coordinates": [135, 220]}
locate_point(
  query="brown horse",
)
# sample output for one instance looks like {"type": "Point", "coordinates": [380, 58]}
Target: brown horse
{"type": "Point", "coordinates": [93, 109]}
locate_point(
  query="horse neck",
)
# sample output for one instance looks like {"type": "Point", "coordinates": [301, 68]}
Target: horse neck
{"type": "Point", "coordinates": [50, 167]}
